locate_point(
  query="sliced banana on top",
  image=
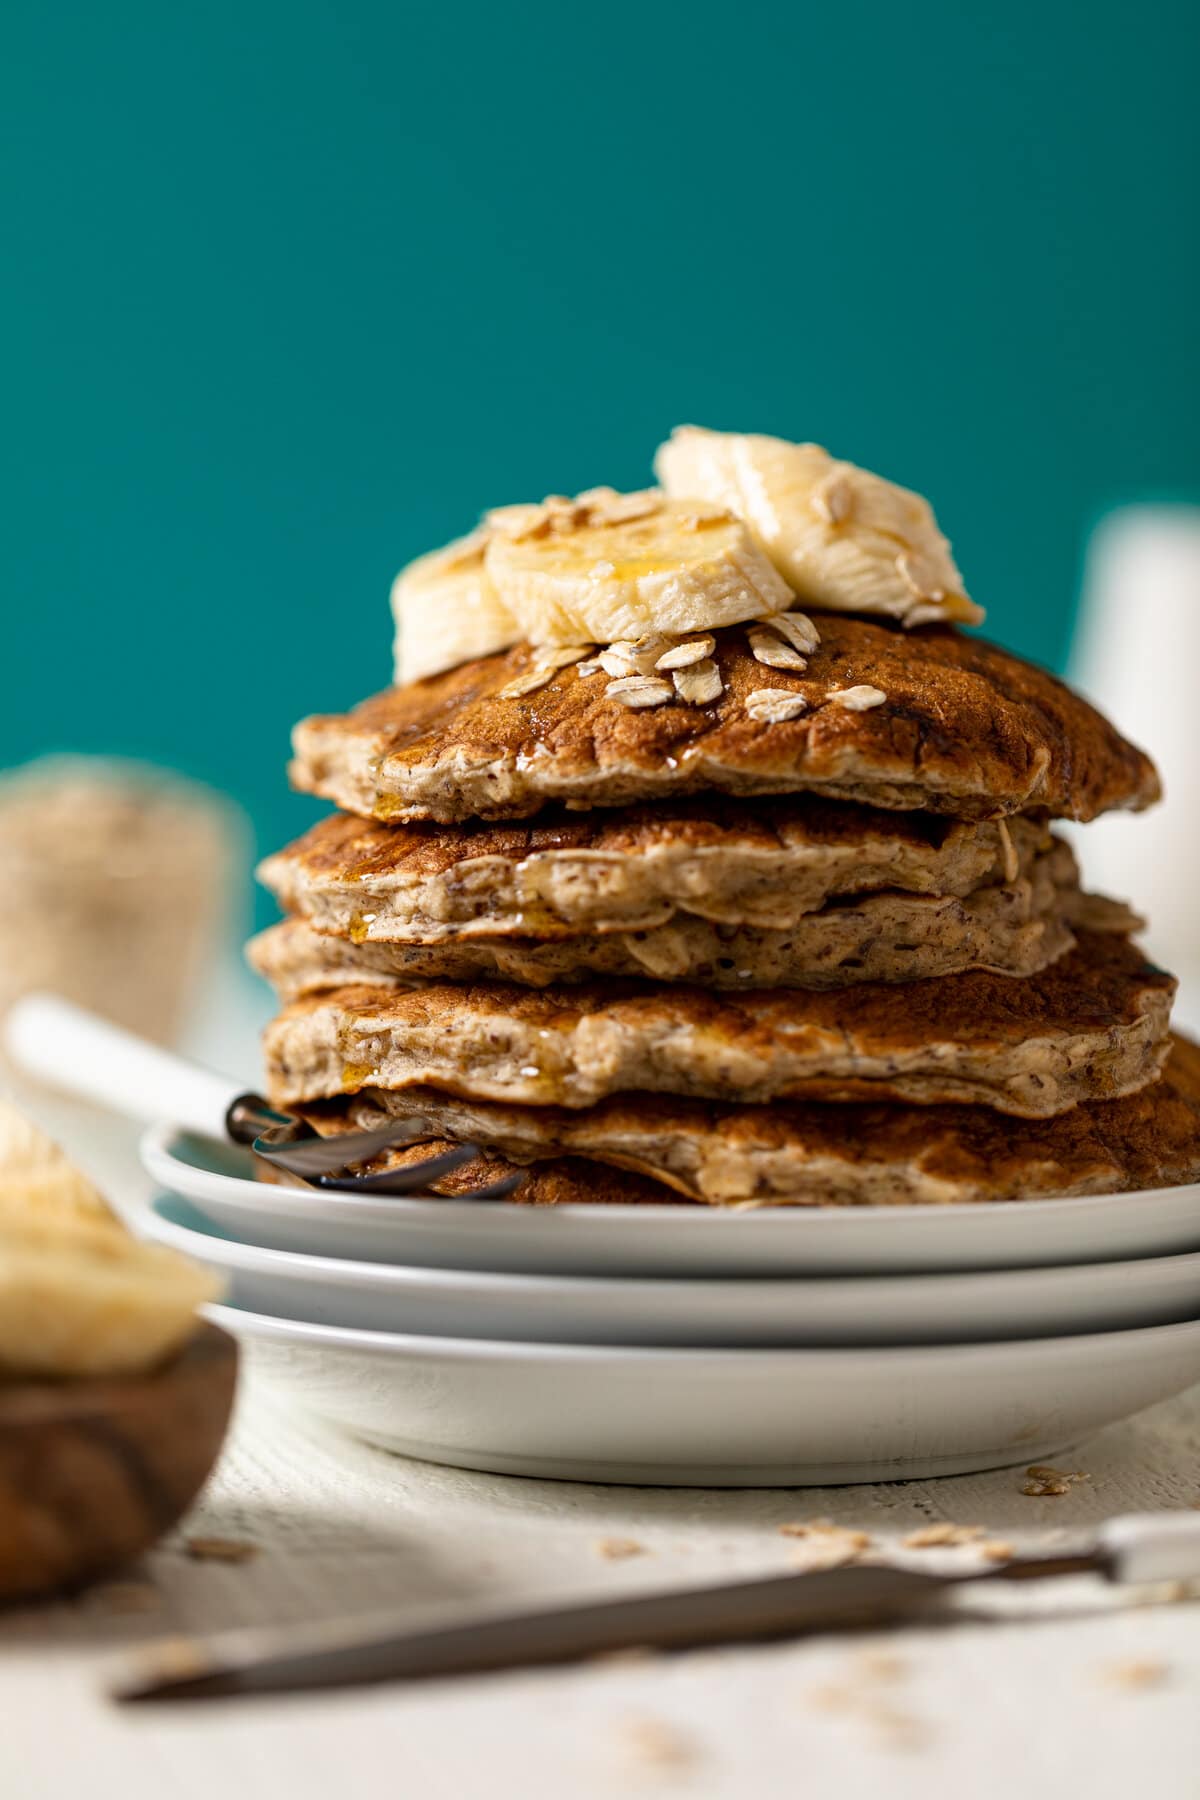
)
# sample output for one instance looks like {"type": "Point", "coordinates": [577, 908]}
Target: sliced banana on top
{"type": "Point", "coordinates": [447, 610]}
{"type": "Point", "coordinates": [742, 526]}
{"type": "Point", "coordinates": [846, 540]}
{"type": "Point", "coordinates": [608, 567]}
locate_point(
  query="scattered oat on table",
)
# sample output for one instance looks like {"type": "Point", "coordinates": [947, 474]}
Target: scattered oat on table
{"type": "Point", "coordinates": [807, 1528]}
{"type": "Point", "coordinates": [856, 1694]}
{"type": "Point", "coordinates": [824, 1545]}
{"type": "Point", "coordinates": [1044, 1481]}
{"type": "Point", "coordinates": [931, 1537]}
{"type": "Point", "coordinates": [881, 1665]}
{"type": "Point", "coordinates": [658, 1744]}
{"type": "Point", "coordinates": [1137, 1674]}
{"type": "Point", "coordinates": [220, 1549]}
{"type": "Point", "coordinates": [617, 1549]}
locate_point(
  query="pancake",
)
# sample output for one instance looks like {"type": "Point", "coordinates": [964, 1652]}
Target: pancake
{"type": "Point", "coordinates": [1093, 1025]}
{"type": "Point", "coordinates": [1014, 929]}
{"type": "Point", "coordinates": [814, 1155]}
{"type": "Point", "coordinates": [766, 863]}
{"type": "Point", "coordinates": [964, 728]}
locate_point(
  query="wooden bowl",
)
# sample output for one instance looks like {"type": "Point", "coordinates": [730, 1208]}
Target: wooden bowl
{"type": "Point", "coordinates": [93, 1472]}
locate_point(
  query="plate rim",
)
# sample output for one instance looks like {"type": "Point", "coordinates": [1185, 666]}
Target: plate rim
{"type": "Point", "coordinates": [428, 1346]}
{"type": "Point", "coordinates": [306, 1266]}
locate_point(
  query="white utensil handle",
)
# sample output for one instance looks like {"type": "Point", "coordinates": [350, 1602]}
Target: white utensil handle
{"type": "Point", "coordinates": [61, 1044]}
{"type": "Point", "coordinates": [1153, 1547]}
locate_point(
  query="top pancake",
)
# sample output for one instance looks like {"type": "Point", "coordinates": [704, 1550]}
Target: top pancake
{"type": "Point", "coordinates": [965, 729]}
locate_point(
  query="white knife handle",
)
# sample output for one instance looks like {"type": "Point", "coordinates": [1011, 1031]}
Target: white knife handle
{"type": "Point", "coordinates": [73, 1050]}
{"type": "Point", "coordinates": [1152, 1546]}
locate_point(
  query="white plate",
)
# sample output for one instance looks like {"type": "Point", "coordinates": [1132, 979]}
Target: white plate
{"type": "Point", "coordinates": [717, 1418]}
{"type": "Point", "coordinates": [665, 1240]}
{"type": "Point", "coordinates": [778, 1311]}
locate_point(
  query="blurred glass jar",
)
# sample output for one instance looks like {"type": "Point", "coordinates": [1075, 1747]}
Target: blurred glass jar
{"type": "Point", "coordinates": [120, 887]}
{"type": "Point", "coordinates": [1136, 650]}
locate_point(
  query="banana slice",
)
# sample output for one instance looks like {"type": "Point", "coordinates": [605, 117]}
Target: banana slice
{"type": "Point", "coordinates": [609, 567]}
{"type": "Point", "coordinates": [447, 611]}
{"type": "Point", "coordinates": [99, 1305]}
{"type": "Point", "coordinates": [846, 540]}
{"type": "Point", "coordinates": [79, 1296]}
{"type": "Point", "coordinates": [39, 1181]}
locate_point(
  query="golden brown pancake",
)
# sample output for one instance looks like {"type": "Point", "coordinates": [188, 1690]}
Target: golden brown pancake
{"type": "Point", "coordinates": [1093, 1025]}
{"type": "Point", "coordinates": [965, 728]}
{"type": "Point", "coordinates": [816, 1155]}
{"type": "Point", "coordinates": [766, 863]}
{"type": "Point", "coordinates": [1012, 928]}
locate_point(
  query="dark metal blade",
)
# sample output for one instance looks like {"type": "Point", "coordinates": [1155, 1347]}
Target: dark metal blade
{"type": "Point", "coordinates": [410, 1177]}
{"type": "Point", "coordinates": [337, 1656]}
{"type": "Point", "coordinates": [311, 1156]}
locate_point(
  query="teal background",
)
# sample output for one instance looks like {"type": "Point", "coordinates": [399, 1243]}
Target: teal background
{"type": "Point", "coordinates": [293, 290]}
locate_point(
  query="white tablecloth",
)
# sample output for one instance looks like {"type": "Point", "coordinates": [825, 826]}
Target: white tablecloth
{"type": "Point", "coordinates": [1065, 1688]}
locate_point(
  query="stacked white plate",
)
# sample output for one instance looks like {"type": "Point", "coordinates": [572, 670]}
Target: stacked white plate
{"type": "Point", "coordinates": [697, 1346]}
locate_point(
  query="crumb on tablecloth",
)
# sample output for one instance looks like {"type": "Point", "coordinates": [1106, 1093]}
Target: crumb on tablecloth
{"type": "Point", "coordinates": [1136, 1673]}
{"type": "Point", "coordinates": [617, 1549]}
{"type": "Point", "coordinates": [856, 1694]}
{"type": "Point", "coordinates": [937, 1536]}
{"type": "Point", "coordinates": [824, 1545]}
{"type": "Point", "coordinates": [1044, 1481]}
{"type": "Point", "coordinates": [658, 1744]}
{"type": "Point", "coordinates": [220, 1549]}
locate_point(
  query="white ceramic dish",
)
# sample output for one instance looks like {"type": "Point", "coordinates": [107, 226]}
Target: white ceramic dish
{"type": "Point", "coordinates": [747, 1313]}
{"type": "Point", "coordinates": [651, 1240]}
{"type": "Point", "coordinates": [717, 1418]}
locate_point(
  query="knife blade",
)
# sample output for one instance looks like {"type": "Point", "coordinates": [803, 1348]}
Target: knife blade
{"type": "Point", "coordinates": [1139, 1548]}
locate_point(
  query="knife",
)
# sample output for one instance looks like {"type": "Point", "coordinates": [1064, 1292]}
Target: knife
{"type": "Point", "coordinates": [1148, 1547]}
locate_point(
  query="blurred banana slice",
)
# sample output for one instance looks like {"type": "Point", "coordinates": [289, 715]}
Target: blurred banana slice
{"type": "Point", "coordinates": [37, 1180]}
{"type": "Point", "coordinates": [99, 1307]}
{"type": "Point", "coordinates": [447, 610]}
{"type": "Point", "coordinates": [846, 540]}
{"type": "Point", "coordinates": [608, 567]}
{"type": "Point", "coordinates": [79, 1296]}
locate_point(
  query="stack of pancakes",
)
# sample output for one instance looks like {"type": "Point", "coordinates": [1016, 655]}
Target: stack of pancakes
{"type": "Point", "coordinates": [689, 954]}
